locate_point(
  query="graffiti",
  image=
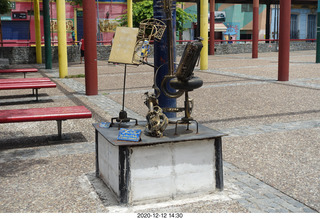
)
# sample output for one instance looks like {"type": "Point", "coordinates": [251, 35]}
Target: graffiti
{"type": "Point", "coordinates": [232, 32]}
{"type": "Point", "coordinates": [107, 25]}
{"type": "Point", "coordinates": [54, 25]}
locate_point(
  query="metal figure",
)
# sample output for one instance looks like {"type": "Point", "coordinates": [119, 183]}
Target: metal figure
{"type": "Point", "coordinates": [156, 121]}
{"type": "Point", "coordinates": [145, 50]}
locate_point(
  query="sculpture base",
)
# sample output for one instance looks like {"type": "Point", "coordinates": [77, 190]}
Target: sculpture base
{"type": "Point", "coordinates": [159, 169]}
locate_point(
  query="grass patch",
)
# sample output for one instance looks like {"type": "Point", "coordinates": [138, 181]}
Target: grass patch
{"type": "Point", "coordinates": [76, 76]}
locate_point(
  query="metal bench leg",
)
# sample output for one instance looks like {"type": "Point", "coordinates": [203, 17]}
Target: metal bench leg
{"type": "Point", "coordinates": [37, 94]}
{"type": "Point", "coordinates": [59, 137]}
{"type": "Point", "coordinates": [59, 122]}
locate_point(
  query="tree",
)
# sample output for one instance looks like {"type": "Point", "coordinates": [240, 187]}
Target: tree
{"type": "Point", "coordinates": [5, 7]}
{"type": "Point", "coordinates": [142, 10]}
{"type": "Point", "coordinates": [75, 2]}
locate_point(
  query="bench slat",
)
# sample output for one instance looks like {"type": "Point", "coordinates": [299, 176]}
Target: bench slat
{"type": "Point", "coordinates": [23, 80]}
{"type": "Point", "coordinates": [18, 70]}
{"type": "Point", "coordinates": [43, 114]}
{"type": "Point", "coordinates": [27, 85]}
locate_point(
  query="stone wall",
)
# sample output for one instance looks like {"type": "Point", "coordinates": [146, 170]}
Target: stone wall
{"type": "Point", "coordinates": [263, 47]}
{"type": "Point", "coordinates": [27, 55]}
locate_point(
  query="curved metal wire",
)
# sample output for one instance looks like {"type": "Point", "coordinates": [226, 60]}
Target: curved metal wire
{"type": "Point", "coordinates": [151, 29]}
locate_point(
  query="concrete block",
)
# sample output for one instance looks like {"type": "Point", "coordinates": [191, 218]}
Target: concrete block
{"type": "Point", "coordinates": [155, 169]}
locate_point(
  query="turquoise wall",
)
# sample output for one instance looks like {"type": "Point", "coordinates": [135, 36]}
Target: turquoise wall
{"type": "Point", "coordinates": [235, 18]}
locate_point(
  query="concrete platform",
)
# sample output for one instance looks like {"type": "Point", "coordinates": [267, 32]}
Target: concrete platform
{"type": "Point", "coordinates": [151, 170]}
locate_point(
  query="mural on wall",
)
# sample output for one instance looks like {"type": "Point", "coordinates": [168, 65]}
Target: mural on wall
{"type": "Point", "coordinates": [54, 25]}
{"type": "Point", "coordinates": [108, 25]}
{"type": "Point", "coordinates": [232, 32]}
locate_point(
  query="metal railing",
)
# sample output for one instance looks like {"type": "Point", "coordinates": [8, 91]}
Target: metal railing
{"type": "Point", "coordinates": [28, 43]}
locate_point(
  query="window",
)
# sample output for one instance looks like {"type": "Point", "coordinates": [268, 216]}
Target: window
{"type": "Point", "coordinates": [312, 26]}
{"type": "Point", "coordinates": [16, 30]}
{"type": "Point", "coordinates": [246, 8]}
{"type": "Point", "coordinates": [294, 32]}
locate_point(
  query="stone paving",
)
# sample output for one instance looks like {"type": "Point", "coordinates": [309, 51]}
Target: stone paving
{"type": "Point", "coordinates": [243, 191]}
{"type": "Point", "coordinates": [257, 196]}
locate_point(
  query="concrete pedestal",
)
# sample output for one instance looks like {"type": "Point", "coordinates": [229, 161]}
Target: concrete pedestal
{"type": "Point", "coordinates": [159, 169]}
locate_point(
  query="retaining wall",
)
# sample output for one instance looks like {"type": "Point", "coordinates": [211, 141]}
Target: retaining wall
{"type": "Point", "coordinates": [27, 55]}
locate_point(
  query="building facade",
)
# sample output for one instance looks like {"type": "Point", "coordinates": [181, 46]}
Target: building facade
{"type": "Point", "coordinates": [18, 25]}
{"type": "Point", "coordinates": [236, 24]}
{"type": "Point", "coordinates": [303, 22]}
{"type": "Point", "coordinates": [238, 20]}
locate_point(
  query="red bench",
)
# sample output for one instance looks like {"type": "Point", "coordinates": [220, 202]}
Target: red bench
{"type": "Point", "coordinates": [26, 83]}
{"type": "Point", "coordinates": [18, 70]}
{"type": "Point", "coordinates": [45, 114]}
{"type": "Point", "coordinates": [23, 80]}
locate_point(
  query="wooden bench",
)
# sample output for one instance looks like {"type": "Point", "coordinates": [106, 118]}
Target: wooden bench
{"type": "Point", "coordinates": [27, 83]}
{"type": "Point", "coordinates": [18, 70]}
{"type": "Point", "coordinates": [45, 114]}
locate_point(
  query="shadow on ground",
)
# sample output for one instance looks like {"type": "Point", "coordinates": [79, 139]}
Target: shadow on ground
{"type": "Point", "coordinates": [38, 141]}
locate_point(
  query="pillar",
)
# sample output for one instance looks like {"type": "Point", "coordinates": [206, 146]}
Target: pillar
{"type": "Point", "coordinates": [255, 31]}
{"type": "Point", "coordinates": [129, 13]}
{"type": "Point", "coordinates": [162, 56]}
{"type": "Point", "coordinates": [62, 38]}
{"type": "Point", "coordinates": [37, 30]}
{"type": "Point", "coordinates": [75, 24]}
{"type": "Point", "coordinates": [212, 23]}
{"type": "Point", "coordinates": [197, 31]}
{"type": "Point", "coordinates": [47, 38]}
{"type": "Point", "coordinates": [268, 22]}
{"type": "Point", "coordinates": [204, 34]}
{"type": "Point", "coordinates": [284, 40]}
{"type": "Point", "coordinates": [318, 34]}
{"type": "Point", "coordinates": [90, 47]}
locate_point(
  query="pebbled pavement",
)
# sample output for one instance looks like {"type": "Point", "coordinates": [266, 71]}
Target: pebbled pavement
{"type": "Point", "coordinates": [270, 133]}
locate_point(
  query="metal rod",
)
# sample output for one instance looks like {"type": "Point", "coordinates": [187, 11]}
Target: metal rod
{"type": "Point", "coordinates": [168, 12]}
{"type": "Point", "coordinates": [124, 86]}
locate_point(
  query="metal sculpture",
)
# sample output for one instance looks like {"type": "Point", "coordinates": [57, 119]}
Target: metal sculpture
{"type": "Point", "coordinates": [157, 121]}
{"type": "Point", "coordinates": [123, 52]}
{"type": "Point", "coordinates": [149, 29]}
{"type": "Point", "coordinates": [182, 80]}
{"type": "Point", "coordinates": [185, 81]}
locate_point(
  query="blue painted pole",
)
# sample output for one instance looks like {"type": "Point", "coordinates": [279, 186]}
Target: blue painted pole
{"type": "Point", "coordinates": [162, 56]}
{"type": "Point", "coordinates": [47, 39]}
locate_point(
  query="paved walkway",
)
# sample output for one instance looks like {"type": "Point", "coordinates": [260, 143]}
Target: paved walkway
{"type": "Point", "coordinates": [265, 135]}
